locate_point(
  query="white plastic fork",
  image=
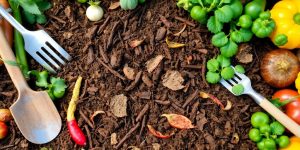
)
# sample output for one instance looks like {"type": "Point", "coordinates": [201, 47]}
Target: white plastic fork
{"type": "Point", "coordinates": [261, 101]}
{"type": "Point", "coordinates": [40, 45]}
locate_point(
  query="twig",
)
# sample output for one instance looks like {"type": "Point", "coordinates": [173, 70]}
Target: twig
{"type": "Point", "coordinates": [177, 108]}
{"type": "Point", "coordinates": [127, 135]}
{"type": "Point", "coordinates": [111, 36]}
{"type": "Point", "coordinates": [86, 119]}
{"type": "Point", "coordinates": [111, 70]}
{"type": "Point", "coordinates": [103, 54]}
{"type": "Point", "coordinates": [140, 17]}
{"type": "Point", "coordinates": [58, 19]}
{"type": "Point", "coordinates": [203, 70]}
{"type": "Point", "coordinates": [142, 113]}
{"type": "Point", "coordinates": [190, 98]}
{"type": "Point", "coordinates": [101, 28]}
{"type": "Point", "coordinates": [89, 136]}
{"type": "Point", "coordinates": [13, 136]}
{"type": "Point", "coordinates": [7, 146]}
{"type": "Point", "coordinates": [202, 50]}
{"type": "Point", "coordinates": [147, 80]}
{"type": "Point", "coordinates": [165, 21]}
{"type": "Point", "coordinates": [84, 89]}
{"type": "Point", "coordinates": [185, 21]}
{"type": "Point", "coordinates": [135, 82]}
{"type": "Point", "coordinates": [162, 102]}
{"type": "Point", "coordinates": [143, 125]}
{"type": "Point", "coordinates": [192, 66]}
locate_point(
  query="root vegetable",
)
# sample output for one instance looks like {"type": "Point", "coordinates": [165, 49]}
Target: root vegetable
{"type": "Point", "coordinates": [94, 12]}
{"type": "Point", "coordinates": [3, 130]}
{"type": "Point", "coordinates": [279, 68]}
{"type": "Point", "coordinates": [5, 115]}
{"type": "Point", "coordinates": [74, 130]}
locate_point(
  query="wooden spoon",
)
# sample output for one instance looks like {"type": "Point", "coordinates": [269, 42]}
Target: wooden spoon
{"type": "Point", "coordinates": [34, 112]}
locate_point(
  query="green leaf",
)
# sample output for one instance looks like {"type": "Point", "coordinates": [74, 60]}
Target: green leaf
{"type": "Point", "coordinates": [29, 18]}
{"type": "Point", "coordinates": [246, 34]}
{"type": "Point", "coordinates": [30, 7]}
{"type": "Point", "coordinates": [44, 5]}
{"type": "Point", "coordinates": [224, 61]}
{"type": "Point", "coordinates": [41, 19]}
{"type": "Point", "coordinates": [239, 69]}
{"type": "Point", "coordinates": [230, 49]}
{"type": "Point", "coordinates": [41, 78]}
{"type": "Point", "coordinates": [212, 77]}
{"type": "Point", "coordinates": [277, 128]}
{"type": "Point", "coordinates": [214, 25]}
{"type": "Point", "coordinates": [236, 37]}
{"type": "Point", "coordinates": [219, 39]}
{"type": "Point", "coordinates": [238, 89]}
{"type": "Point", "coordinates": [224, 14]}
{"type": "Point", "coordinates": [213, 65]}
{"type": "Point", "coordinates": [226, 1]}
{"type": "Point", "coordinates": [227, 73]}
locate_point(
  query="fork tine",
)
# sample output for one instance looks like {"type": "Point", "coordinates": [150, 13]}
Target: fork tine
{"type": "Point", "coordinates": [54, 54]}
{"type": "Point", "coordinates": [49, 59]}
{"type": "Point", "coordinates": [58, 48]}
{"type": "Point", "coordinates": [226, 84]}
{"type": "Point", "coordinates": [236, 79]}
{"type": "Point", "coordinates": [43, 63]}
{"type": "Point", "coordinates": [231, 81]}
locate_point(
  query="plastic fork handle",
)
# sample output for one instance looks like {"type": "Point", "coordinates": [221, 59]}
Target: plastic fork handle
{"type": "Point", "coordinates": [281, 117]}
{"type": "Point", "coordinates": [14, 71]}
{"type": "Point", "coordinates": [12, 20]}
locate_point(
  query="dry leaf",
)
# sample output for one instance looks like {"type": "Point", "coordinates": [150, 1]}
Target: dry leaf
{"type": "Point", "coordinates": [135, 43]}
{"type": "Point", "coordinates": [178, 33]}
{"type": "Point", "coordinates": [118, 105]}
{"type": "Point", "coordinates": [235, 138]}
{"type": "Point", "coordinates": [113, 139]}
{"type": "Point", "coordinates": [156, 146]}
{"type": "Point", "coordinates": [114, 5]}
{"type": "Point", "coordinates": [173, 80]}
{"type": "Point", "coordinates": [153, 63]}
{"type": "Point", "coordinates": [211, 97]}
{"type": "Point", "coordinates": [95, 114]}
{"type": "Point", "coordinates": [129, 72]}
{"type": "Point", "coordinates": [228, 105]}
{"type": "Point", "coordinates": [173, 44]}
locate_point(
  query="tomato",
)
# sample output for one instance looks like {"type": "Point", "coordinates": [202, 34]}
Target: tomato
{"type": "Point", "coordinates": [294, 144]}
{"type": "Point", "coordinates": [259, 119]}
{"type": "Point", "coordinates": [3, 130]}
{"type": "Point", "coordinates": [270, 144]}
{"type": "Point", "coordinates": [254, 135]}
{"type": "Point", "coordinates": [245, 21]}
{"type": "Point", "coordinates": [292, 109]}
{"type": "Point", "coordinates": [199, 14]}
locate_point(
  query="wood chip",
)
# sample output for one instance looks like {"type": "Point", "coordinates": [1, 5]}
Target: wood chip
{"type": "Point", "coordinates": [173, 80]}
{"type": "Point", "coordinates": [153, 63]}
{"type": "Point", "coordinates": [118, 105]}
{"type": "Point", "coordinates": [135, 43]}
{"type": "Point", "coordinates": [129, 72]}
{"type": "Point", "coordinates": [156, 146]}
{"type": "Point", "coordinates": [113, 139]}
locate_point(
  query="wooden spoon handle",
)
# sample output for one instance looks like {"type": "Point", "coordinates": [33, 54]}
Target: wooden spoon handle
{"type": "Point", "coordinates": [14, 71]}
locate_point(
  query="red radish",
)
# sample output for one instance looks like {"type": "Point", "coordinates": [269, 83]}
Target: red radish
{"type": "Point", "coordinates": [75, 132]}
{"type": "Point", "coordinates": [3, 130]}
{"type": "Point", "coordinates": [178, 121]}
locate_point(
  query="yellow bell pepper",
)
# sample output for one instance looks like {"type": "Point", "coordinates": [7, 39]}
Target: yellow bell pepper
{"type": "Point", "coordinates": [286, 14]}
{"type": "Point", "coordinates": [294, 144]}
{"type": "Point", "coordinates": [297, 83]}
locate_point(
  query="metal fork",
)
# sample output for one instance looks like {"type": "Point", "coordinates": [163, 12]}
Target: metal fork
{"type": "Point", "coordinates": [261, 101]}
{"type": "Point", "coordinates": [40, 45]}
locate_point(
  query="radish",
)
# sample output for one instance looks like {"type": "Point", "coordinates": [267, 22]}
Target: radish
{"type": "Point", "coordinates": [3, 130]}
{"type": "Point", "coordinates": [74, 130]}
{"type": "Point", "coordinates": [94, 12]}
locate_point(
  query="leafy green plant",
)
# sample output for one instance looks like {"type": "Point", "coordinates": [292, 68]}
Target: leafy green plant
{"type": "Point", "coordinates": [33, 10]}
{"type": "Point", "coordinates": [56, 88]}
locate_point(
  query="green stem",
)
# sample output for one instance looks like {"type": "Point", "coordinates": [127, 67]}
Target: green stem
{"type": "Point", "coordinates": [212, 6]}
{"type": "Point", "coordinates": [19, 42]}
{"type": "Point", "coordinates": [201, 3]}
{"type": "Point", "coordinates": [297, 18]}
{"type": "Point", "coordinates": [221, 3]}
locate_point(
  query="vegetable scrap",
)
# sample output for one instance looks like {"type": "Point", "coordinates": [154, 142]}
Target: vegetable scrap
{"type": "Point", "coordinates": [211, 97]}
{"type": "Point", "coordinates": [157, 133]}
{"type": "Point", "coordinates": [76, 133]}
{"type": "Point", "coordinates": [173, 80]}
{"type": "Point", "coordinates": [174, 44]}
{"type": "Point", "coordinates": [178, 121]}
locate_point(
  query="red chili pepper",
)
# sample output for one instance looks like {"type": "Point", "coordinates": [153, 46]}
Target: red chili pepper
{"type": "Point", "coordinates": [75, 132]}
{"type": "Point", "coordinates": [179, 121]}
{"type": "Point", "coordinates": [157, 133]}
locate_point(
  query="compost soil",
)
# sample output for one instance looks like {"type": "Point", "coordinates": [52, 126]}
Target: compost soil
{"type": "Point", "coordinates": [100, 50]}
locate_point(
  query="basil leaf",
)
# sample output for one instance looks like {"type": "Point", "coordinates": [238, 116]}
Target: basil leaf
{"type": "Point", "coordinates": [212, 65]}
{"type": "Point", "coordinates": [246, 34]}
{"type": "Point", "coordinates": [224, 14]}
{"type": "Point", "coordinates": [230, 49]}
{"type": "Point", "coordinates": [236, 36]}
{"type": "Point", "coordinates": [224, 61]}
{"type": "Point", "coordinates": [227, 73]}
{"type": "Point", "coordinates": [212, 77]}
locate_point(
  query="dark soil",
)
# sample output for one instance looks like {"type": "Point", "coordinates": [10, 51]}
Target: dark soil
{"type": "Point", "coordinates": [100, 50]}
